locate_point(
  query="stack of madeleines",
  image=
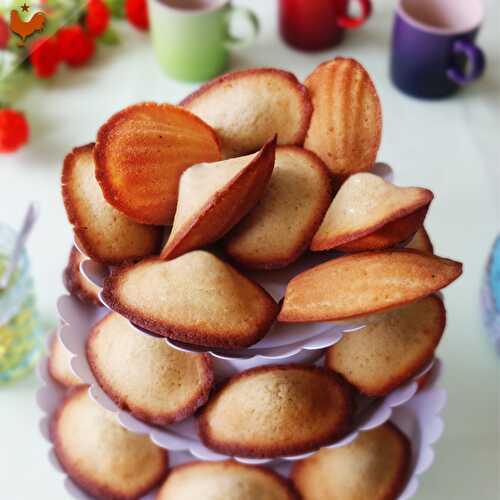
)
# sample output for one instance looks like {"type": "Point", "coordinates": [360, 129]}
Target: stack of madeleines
{"type": "Point", "coordinates": [253, 171]}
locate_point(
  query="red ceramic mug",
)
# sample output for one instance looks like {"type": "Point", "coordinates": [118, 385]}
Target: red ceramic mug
{"type": "Point", "coordinates": [318, 24]}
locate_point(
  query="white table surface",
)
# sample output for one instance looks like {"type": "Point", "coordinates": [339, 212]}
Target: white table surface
{"type": "Point", "coordinates": [450, 146]}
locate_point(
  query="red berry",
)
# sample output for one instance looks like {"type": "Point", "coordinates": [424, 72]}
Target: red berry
{"type": "Point", "coordinates": [137, 13]}
{"type": "Point", "coordinates": [14, 130]}
{"type": "Point", "coordinates": [44, 56]}
{"type": "Point", "coordinates": [97, 18]}
{"type": "Point", "coordinates": [4, 33]}
{"type": "Point", "coordinates": [75, 46]}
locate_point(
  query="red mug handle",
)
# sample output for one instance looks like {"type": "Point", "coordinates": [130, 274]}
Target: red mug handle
{"type": "Point", "coordinates": [346, 21]}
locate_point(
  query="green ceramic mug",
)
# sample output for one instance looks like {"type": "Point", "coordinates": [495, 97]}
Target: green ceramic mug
{"type": "Point", "coordinates": [192, 38]}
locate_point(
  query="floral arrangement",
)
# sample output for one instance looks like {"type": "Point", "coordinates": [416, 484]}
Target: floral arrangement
{"type": "Point", "coordinates": [36, 40]}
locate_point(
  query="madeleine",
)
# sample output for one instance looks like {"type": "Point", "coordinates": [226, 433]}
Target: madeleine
{"type": "Point", "coordinates": [76, 283]}
{"type": "Point", "coordinates": [246, 108]}
{"type": "Point", "coordinates": [391, 350]}
{"type": "Point", "coordinates": [276, 410]}
{"type": "Point", "coordinates": [224, 480]}
{"type": "Point", "coordinates": [196, 298]}
{"type": "Point", "coordinates": [279, 229]}
{"type": "Point", "coordinates": [369, 213]}
{"type": "Point", "coordinates": [213, 197]}
{"type": "Point", "coordinates": [59, 364]}
{"type": "Point", "coordinates": [361, 284]}
{"type": "Point", "coordinates": [346, 124]}
{"type": "Point", "coordinates": [421, 241]}
{"type": "Point", "coordinates": [144, 375]}
{"type": "Point", "coordinates": [375, 466]}
{"type": "Point", "coordinates": [103, 233]}
{"type": "Point", "coordinates": [140, 154]}
{"type": "Point", "coordinates": [100, 456]}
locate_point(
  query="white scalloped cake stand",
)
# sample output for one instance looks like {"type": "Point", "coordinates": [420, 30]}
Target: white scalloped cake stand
{"type": "Point", "coordinates": [77, 320]}
{"type": "Point", "coordinates": [418, 418]}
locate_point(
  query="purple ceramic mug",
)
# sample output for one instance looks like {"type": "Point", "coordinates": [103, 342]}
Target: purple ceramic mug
{"type": "Point", "coordinates": [433, 49]}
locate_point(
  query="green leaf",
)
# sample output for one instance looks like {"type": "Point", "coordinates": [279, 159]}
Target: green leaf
{"type": "Point", "coordinates": [109, 37]}
{"type": "Point", "coordinates": [13, 85]}
{"type": "Point", "coordinates": [116, 7]}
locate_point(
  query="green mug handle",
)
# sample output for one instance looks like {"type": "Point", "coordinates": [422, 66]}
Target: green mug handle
{"type": "Point", "coordinates": [233, 42]}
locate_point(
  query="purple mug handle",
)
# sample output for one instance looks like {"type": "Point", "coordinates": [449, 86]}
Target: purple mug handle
{"type": "Point", "coordinates": [476, 59]}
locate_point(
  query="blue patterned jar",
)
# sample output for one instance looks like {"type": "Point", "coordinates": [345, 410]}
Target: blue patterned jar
{"type": "Point", "coordinates": [490, 295]}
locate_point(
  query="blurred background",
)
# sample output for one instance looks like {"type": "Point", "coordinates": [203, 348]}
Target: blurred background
{"type": "Point", "coordinates": [450, 146]}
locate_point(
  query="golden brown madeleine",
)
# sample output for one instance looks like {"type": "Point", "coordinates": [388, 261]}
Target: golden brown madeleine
{"type": "Point", "coordinates": [246, 108]}
{"type": "Point", "coordinates": [346, 124]}
{"type": "Point", "coordinates": [279, 229]}
{"type": "Point", "coordinates": [213, 197]}
{"type": "Point", "coordinates": [59, 364]}
{"type": "Point", "coordinates": [76, 283]}
{"type": "Point", "coordinates": [369, 213]}
{"type": "Point", "coordinates": [392, 234]}
{"type": "Point", "coordinates": [375, 466]}
{"type": "Point", "coordinates": [421, 242]}
{"type": "Point", "coordinates": [104, 233]}
{"type": "Point", "coordinates": [144, 375]}
{"type": "Point", "coordinates": [361, 284]}
{"type": "Point", "coordinates": [104, 459]}
{"type": "Point", "coordinates": [141, 153]}
{"type": "Point", "coordinates": [277, 410]}
{"type": "Point", "coordinates": [196, 298]}
{"type": "Point", "coordinates": [391, 350]}
{"type": "Point", "coordinates": [224, 481]}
